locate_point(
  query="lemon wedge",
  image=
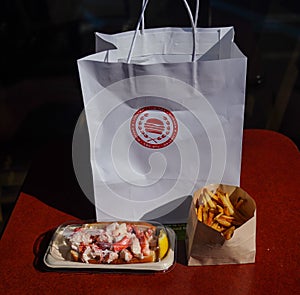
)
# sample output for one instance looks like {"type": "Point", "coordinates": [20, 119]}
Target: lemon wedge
{"type": "Point", "coordinates": [163, 244]}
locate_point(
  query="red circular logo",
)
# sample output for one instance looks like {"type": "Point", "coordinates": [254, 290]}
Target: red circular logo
{"type": "Point", "coordinates": [154, 127]}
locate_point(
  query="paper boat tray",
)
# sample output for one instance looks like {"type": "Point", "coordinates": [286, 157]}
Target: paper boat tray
{"type": "Point", "coordinates": [58, 255]}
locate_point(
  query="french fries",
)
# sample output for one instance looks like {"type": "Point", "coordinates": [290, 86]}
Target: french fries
{"type": "Point", "coordinates": [217, 211]}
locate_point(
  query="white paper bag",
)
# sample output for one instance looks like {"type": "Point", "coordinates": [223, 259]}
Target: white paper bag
{"type": "Point", "coordinates": [161, 124]}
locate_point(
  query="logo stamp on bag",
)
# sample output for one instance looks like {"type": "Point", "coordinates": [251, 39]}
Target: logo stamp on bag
{"type": "Point", "coordinates": [154, 127]}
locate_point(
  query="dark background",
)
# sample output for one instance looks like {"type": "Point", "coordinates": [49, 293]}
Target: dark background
{"type": "Point", "coordinates": [40, 41]}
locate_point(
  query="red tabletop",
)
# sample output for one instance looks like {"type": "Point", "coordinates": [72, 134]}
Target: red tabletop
{"type": "Point", "coordinates": [270, 174]}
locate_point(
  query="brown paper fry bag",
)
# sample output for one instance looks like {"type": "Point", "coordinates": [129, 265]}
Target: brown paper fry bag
{"type": "Point", "coordinates": [207, 246]}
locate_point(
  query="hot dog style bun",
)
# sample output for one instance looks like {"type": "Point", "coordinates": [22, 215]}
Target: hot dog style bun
{"type": "Point", "coordinates": [114, 243]}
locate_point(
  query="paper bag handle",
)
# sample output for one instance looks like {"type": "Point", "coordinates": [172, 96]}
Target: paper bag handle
{"type": "Point", "coordinates": [195, 17]}
{"type": "Point", "coordinates": [141, 22]}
